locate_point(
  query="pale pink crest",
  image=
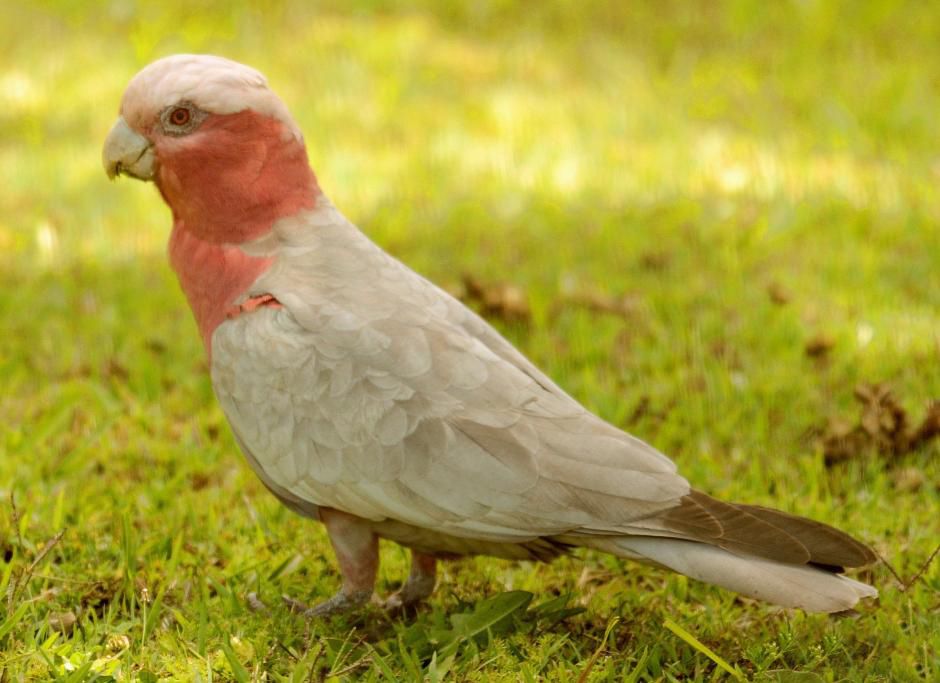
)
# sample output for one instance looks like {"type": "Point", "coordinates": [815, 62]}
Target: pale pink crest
{"type": "Point", "coordinates": [214, 84]}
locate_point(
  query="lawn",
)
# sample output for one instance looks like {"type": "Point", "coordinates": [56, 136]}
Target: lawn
{"type": "Point", "coordinates": [722, 219]}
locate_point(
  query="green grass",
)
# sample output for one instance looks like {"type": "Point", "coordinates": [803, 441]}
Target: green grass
{"type": "Point", "coordinates": [686, 158]}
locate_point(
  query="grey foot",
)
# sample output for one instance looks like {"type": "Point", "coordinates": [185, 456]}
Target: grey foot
{"type": "Point", "coordinates": [416, 590]}
{"type": "Point", "coordinates": [339, 604]}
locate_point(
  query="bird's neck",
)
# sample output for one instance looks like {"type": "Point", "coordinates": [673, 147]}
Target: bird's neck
{"type": "Point", "coordinates": [213, 276]}
{"type": "Point", "coordinates": [231, 180]}
{"type": "Point", "coordinates": [227, 185]}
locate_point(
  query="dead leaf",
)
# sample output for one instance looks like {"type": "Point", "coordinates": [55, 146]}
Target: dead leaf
{"type": "Point", "coordinates": [640, 411]}
{"type": "Point", "coordinates": [656, 260]}
{"type": "Point", "coordinates": [929, 428]}
{"type": "Point", "coordinates": [588, 583]}
{"type": "Point", "coordinates": [156, 346]}
{"type": "Point", "coordinates": [115, 370]}
{"type": "Point", "coordinates": [592, 577]}
{"type": "Point", "coordinates": [819, 346]}
{"type": "Point", "coordinates": [883, 418]}
{"type": "Point", "coordinates": [63, 622]}
{"type": "Point", "coordinates": [99, 595]}
{"type": "Point", "coordinates": [841, 441]}
{"type": "Point", "coordinates": [778, 294]}
{"type": "Point", "coordinates": [882, 427]}
{"type": "Point", "coordinates": [502, 300]}
{"type": "Point", "coordinates": [198, 481]}
{"type": "Point", "coordinates": [909, 479]}
{"type": "Point", "coordinates": [624, 305]}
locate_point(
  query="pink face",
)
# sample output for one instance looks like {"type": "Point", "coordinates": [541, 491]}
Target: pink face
{"type": "Point", "coordinates": [222, 148]}
{"type": "Point", "coordinates": [229, 176]}
{"type": "Point", "coordinates": [248, 175]}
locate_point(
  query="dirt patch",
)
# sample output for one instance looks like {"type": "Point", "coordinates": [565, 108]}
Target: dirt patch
{"type": "Point", "coordinates": [502, 300]}
{"type": "Point", "coordinates": [624, 306]}
{"type": "Point", "coordinates": [778, 294]}
{"type": "Point", "coordinates": [883, 427]}
{"type": "Point", "coordinates": [819, 346]}
{"type": "Point", "coordinates": [99, 595]}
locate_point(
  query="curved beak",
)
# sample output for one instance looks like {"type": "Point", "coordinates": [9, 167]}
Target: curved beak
{"type": "Point", "coordinates": [127, 151]}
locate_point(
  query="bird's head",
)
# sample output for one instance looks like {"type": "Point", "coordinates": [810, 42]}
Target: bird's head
{"type": "Point", "coordinates": [219, 144]}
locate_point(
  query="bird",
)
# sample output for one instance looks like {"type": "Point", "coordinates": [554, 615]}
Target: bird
{"type": "Point", "coordinates": [369, 399]}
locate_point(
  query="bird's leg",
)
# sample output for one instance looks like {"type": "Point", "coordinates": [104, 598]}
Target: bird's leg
{"type": "Point", "coordinates": [357, 552]}
{"type": "Point", "coordinates": [420, 583]}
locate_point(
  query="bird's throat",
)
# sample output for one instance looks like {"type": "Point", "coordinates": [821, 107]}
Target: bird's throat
{"type": "Point", "coordinates": [227, 184]}
{"type": "Point", "coordinates": [213, 276]}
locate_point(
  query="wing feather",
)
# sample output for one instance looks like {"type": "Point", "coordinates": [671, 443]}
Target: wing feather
{"type": "Point", "coordinates": [375, 392]}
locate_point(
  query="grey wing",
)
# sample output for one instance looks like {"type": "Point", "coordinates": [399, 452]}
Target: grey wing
{"type": "Point", "coordinates": [376, 393]}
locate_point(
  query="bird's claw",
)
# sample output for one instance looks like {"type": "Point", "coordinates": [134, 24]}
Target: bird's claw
{"type": "Point", "coordinates": [396, 604]}
{"type": "Point", "coordinates": [338, 604]}
{"type": "Point", "coordinates": [415, 591]}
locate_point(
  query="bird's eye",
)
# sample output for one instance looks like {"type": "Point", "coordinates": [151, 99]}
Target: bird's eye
{"type": "Point", "coordinates": [180, 116]}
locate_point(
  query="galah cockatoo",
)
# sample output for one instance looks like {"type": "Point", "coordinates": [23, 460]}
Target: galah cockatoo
{"type": "Point", "coordinates": [369, 399]}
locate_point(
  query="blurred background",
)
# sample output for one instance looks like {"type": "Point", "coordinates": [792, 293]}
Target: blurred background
{"type": "Point", "coordinates": [742, 184]}
{"type": "Point", "coordinates": [738, 104]}
{"type": "Point", "coordinates": [716, 223]}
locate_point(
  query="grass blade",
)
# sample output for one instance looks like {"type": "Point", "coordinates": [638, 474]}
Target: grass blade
{"type": "Point", "coordinates": [11, 621]}
{"type": "Point", "coordinates": [238, 671]}
{"type": "Point", "coordinates": [701, 647]}
{"type": "Point", "coordinates": [597, 651]}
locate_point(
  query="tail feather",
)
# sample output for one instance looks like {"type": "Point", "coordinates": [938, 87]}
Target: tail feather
{"type": "Point", "coordinates": [827, 546]}
{"type": "Point", "coordinates": [763, 532]}
{"type": "Point", "coordinates": [756, 551]}
{"type": "Point", "coordinates": [803, 586]}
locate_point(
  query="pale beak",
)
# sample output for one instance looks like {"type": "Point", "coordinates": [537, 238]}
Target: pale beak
{"type": "Point", "coordinates": [127, 151]}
